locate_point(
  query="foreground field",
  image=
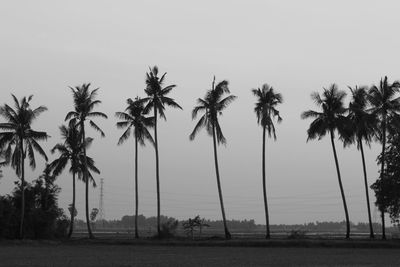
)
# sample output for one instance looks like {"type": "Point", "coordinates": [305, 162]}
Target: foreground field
{"type": "Point", "coordinates": [39, 254]}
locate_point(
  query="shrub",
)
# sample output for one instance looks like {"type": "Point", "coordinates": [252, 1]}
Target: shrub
{"type": "Point", "coordinates": [43, 218]}
{"type": "Point", "coordinates": [168, 228]}
{"type": "Point", "coordinates": [297, 234]}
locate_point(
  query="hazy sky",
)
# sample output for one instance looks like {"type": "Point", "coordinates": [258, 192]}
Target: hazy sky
{"type": "Point", "coordinates": [295, 46]}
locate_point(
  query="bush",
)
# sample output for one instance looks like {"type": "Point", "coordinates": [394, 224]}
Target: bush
{"type": "Point", "coordinates": [168, 228]}
{"type": "Point", "coordinates": [297, 234]}
{"type": "Point", "coordinates": [62, 227]}
{"type": "Point", "coordinates": [8, 218]}
{"type": "Point", "coordinates": [43, 218]}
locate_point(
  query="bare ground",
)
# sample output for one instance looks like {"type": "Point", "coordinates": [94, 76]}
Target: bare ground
{"type": "Point", "coordinates": [59, 254]}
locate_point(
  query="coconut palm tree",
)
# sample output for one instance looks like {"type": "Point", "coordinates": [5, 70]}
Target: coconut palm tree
{"type": "Point", "coordinates": [134, 119]}
{"type": "Point", "coordinates": [386, 106]}
{"type": "Point", "coordinates": [329, 120]}
{"type": "Point", "coordinates": [362, 130]}
{"type": "Point", "coordinates": [212, 105]}
{"type": "Point", "coordinates": [85, 102]}
{"type": "Point", "coordinates": [71, 151]}
{"type": "Point", "coordinates": [157, 100]}
{"type": "Point", "coordinates": [18, 141]}
{"type": "Point", "coordinates": [265, 109]}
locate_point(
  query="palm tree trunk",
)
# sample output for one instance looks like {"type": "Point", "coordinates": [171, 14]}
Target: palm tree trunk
{"type": "Point", "coordinates": [136, 188]}
{"type": "Point", "coordinates": [86, 177]}
{"type": "Point", "coordinates": [21, 225]}
{"type": "Point", "coordinates": [265, 188]}
{"type": "Point", "coordinates": [371, 230]}
{"type": "Point", "coordinates": [227, 234]}
{"type": "Point", "coordinates": [341, 187]}
{"type": "Point", "coordinates": [71, 227]}
{"type": "Point", "coordinates": [383, 170]}
{"type": "Point", "coordinates": [157, 172]}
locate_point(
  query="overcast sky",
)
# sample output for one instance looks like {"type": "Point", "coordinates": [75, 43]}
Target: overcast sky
{"type": "Point", "coordinates": [296, 46]}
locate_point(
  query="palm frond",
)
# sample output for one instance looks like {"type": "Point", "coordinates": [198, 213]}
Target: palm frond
{"type": "Point", "coordinates": [97, 128]}
{"type": "Point", "coordinates": [200, 124]}
{"type": "Point", "coordinates": [38, 148]}
{"type": "Point", "coordinates": [97, 114]}
{"type": "Point", "coordinates": [124, 136]}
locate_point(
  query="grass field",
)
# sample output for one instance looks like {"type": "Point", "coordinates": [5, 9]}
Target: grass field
{"type": "Point", "coordinates": [93, 254]}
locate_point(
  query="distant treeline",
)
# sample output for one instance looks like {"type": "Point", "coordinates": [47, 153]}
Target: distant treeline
{"type": "Point", "coordinates": [150, 223]}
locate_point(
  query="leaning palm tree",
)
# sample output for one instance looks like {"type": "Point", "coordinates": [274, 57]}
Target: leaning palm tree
{"type": "Point", "coordinates": [71, 151]}
{"type": "Point", "coordinates": [157, 100]}
{"type": "Point", "coordinates": [329, 120]}
{"type": "Point", "coordinates": [386, 106]}
{"type": "Point", "coordinates": [213, 104]}
{"type": "Point", "coordinates": [265, 109]}
{"type": "Point", "coordinates": [362, 130]}
{"type": "Point", "coordinates": [84, 102]}
{"type": "Point", "coordinates": [134, 119]}
{"type": "Point", "coordinates": [18, 141]}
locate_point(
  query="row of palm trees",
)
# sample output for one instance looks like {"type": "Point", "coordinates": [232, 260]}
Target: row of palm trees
{"type": "Point", "coordinates": [372, 112]}
{"type": "Point", "coordinates": [369, 115]}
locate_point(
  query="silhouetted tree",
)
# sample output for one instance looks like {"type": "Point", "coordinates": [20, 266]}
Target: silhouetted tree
{"type": "Point", "coordinates": [190, 225]}
{"type": "Point", "coordinates": [18, 141]}
{"type": "Point", "coordinates": [134, 119]}
{"type": "Point", "coordinates": [385, 105]}
{"type": "Point", "coordinates": [265, 109]}
{"type": "Point", "coordinates": [363, 126]}
{"type": "Point", "coordinates": [212, 105]}
{"type": "Point", "coordinates": [387, 187]}
{"type": "Point", "coordinates": [331, 119]}
{"type": "Point", "coordinates": [71, 151]}
{"type": "Point", "coordinates": [157, 100]}
{"type": "Point", "coordinates": [84, 102]}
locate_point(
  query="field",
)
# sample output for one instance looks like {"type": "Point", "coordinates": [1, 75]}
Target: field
{"type": "Point", "coordinates": [84, 253]}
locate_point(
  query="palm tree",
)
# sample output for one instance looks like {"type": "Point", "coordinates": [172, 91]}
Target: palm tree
{"type": "Point", "coordinates": [331, 119]}
{"type": "Point", "coordinates": [84, 102]}
{"type": "Point", "coordinates": [135, 119]}
{"type": "Point", "coordinates": [213, 104]}
{"type": "Point", "coordinates": [18, 141]}
{"type": "Point", "coordinates": [363, 128]}
{"type": "Point", "coordinates": [265, 109]}
{"type": "Point", "coordinates": [71, 151]}
{"type": "Point", "coordinates": [157, 100]}
{"type": "Point", "coordinates": [385, 105]}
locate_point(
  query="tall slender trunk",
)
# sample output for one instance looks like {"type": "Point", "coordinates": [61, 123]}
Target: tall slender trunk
{"type": "Point", "coordinates": [71, 227]}
{"type": "Point", "coordinates": [371, 230]}
{"type": "Point", "coordinates": [227, 234]}
{"type": "Point", "coordinates": [136, 188]}
{"type": "Point", "coordinates": [21, 224]}
{"type": "Point", "coordinates": [86, 177]}
{"type": "Point", "coordinates": [341, 187]}
{"type": "Point", "coordinates": [157, 172]}
{"type": "Point", "coordinates": [268, 235]}
{"type": "Point", "coordinates": [383, 170]}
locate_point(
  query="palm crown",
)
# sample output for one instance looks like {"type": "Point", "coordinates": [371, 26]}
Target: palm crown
{"type": "Point", "coordinates": [19, 134]}
{"type": "Point", "coordinates": [363, 123]}
{"type": "Point", "coordinates": [213, 104]}
{"type": "Point", "coordinates": [134, 117]}
{"type": "Point", "coordinates": [84, 103]}
{"type": "Point", "coordinates": [385, 104]}
{"type": "Point", "coordinates": [157, 98]}
{"type": "Point", "coordinates": [72, 151]}
{"type": "Point", "coordinates": [265, 108]}
{"type": "Point", "coordinates": [332, 116]}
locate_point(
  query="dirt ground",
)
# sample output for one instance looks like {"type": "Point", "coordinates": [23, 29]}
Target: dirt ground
{"type": "Point", "coordinates": [128, 255]}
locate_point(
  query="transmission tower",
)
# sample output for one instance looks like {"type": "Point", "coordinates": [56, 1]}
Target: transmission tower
{"type": "Point", "coordinates": [101, 201]}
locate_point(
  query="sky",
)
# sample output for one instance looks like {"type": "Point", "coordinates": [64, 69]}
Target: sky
{"type": "Point", "coordinates": [295, 46]}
